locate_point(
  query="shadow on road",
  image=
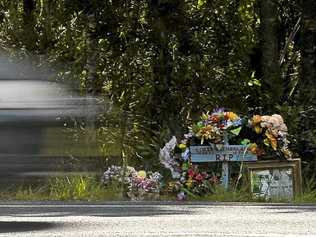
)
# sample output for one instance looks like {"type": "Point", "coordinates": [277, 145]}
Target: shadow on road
{"type": "Point", "coordinates": [23, 226]}
{"type": "Point", "coordinates": [92, 210]}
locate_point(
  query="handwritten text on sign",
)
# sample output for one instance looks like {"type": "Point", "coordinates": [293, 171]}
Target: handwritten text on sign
{"type": "Point", "coordinates": [215, 153]}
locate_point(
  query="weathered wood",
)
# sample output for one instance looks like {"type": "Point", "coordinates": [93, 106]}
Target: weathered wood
{"type": "Point", "coordinates": [225, 174]}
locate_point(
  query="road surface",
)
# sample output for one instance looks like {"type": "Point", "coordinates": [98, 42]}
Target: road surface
{"type": "Point", "coordinates": [155, 219]}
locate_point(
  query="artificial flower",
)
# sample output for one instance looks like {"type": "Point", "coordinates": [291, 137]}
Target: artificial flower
{"type": "Point", "coordinates": [253, 148]}
{"type": "Point", "coordinates": [142, 174]}
{"type": "Point", "coordinates": [181, 196]}
{"type": "Point", "coordinates": [191, 173]}
{"type": "Point", "coordinates": [231, 116]}
{"type": "Point", "coordinates": [256, 119]}
{"type": "Point", "coordinates": [215, 118]}
{"type": "Point", "coordinates": [205, 116]}
{"type": "Point", "coordinates": [258, 129]}
{"type": "Point", "coordinates": [206, 133]}
{"type": "Point", "coordinates": [189, 183]}
{"type": "Point", "coordinates": [198, 177]}
{"type": "Point", "coordinates": [186, 154]}
{"type": "Point", "coordinates": [272, 140]}
{"type": "Point", "coordinates": [182, 146]}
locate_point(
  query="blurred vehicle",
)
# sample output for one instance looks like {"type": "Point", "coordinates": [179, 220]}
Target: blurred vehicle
{"type": "Point", "coordinates": [30, 108]}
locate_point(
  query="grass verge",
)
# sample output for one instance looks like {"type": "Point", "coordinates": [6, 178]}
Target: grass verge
{"type": "Point", "coordinates": [89, 188]}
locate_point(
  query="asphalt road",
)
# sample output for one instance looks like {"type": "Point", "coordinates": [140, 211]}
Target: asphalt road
{"type": "Point", "coordinates": [155, 219]}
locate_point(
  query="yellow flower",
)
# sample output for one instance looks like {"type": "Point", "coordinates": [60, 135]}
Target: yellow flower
{"type": "Point", "coordinates": [204, 116]}
{"type": "Point", "coordinates": [182, 146]}
{"type": "Point", "coordinates": [189, 183]}
{"type": "Point", "coordinates": [205, 133]}
{"type": "Point", "coordinates": [253, 148]}
{"type": "Point", "coordinates": [258, 129]}
{"type": "Point", "coordinates": [231, 116]}
{"type": "Point", "coordinates": [142, 174]}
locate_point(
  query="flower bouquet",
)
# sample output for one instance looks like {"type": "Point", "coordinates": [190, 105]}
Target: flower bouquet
{"type": "Point", "coordinates": [139, 185]}
{"type": "Point", "coordinates": [217, 127]}
{"type": "Point", "coordinates": [269, 136]}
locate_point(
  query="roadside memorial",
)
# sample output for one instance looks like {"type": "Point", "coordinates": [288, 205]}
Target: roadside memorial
{"type": "Point", "coordinates": [225, 139]}
{"type": "Point", "coordinates": [222, 136]}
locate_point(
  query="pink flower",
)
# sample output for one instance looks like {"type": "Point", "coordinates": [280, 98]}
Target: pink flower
{"type": "Point", "coordinates": [198, 177]}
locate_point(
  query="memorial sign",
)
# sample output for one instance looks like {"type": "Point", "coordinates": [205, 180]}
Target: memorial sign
{"type": "Point", "coordinates": [214, 153]}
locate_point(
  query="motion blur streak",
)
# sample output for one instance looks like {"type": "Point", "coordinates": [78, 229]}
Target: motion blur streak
{"type": "Point", "coordinates": [22, 100]}
{"type": "Point", "coordinates": [37, 123]}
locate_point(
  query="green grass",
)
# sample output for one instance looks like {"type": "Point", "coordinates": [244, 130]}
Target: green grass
{"type": "Point", "coordinates": [309, 192]}
{"type": "Point", "coordinates": [87, 188]}
{"type": "Point", "coordinates": [82, 188]}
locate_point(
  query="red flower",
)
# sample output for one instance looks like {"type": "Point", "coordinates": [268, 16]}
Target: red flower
{"type": "Point", "coordinates": [191, 173]}
{"type": "Point", "coordinates": [214, 119]}
{"type": "Point", "coordinates": [198, 177]}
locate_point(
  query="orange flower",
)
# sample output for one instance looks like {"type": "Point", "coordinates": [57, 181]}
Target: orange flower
{"type": "Point", "coordinates": [272, 140]}
{"type": "Point", "coordinates": [253, 148]}
{"type": "Point", "coordinates": [231, 116]}
{"type": "Point", "coordinates": [256, 119]}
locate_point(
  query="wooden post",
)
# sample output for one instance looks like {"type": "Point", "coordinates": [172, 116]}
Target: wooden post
{"type": "Point", "coordinates": [225, 174]}
{"type": "Point", "coordinates": [225, 167]}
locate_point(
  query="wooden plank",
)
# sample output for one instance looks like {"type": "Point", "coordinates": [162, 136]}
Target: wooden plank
{"type": "Point", "coordinates": [215, 153]}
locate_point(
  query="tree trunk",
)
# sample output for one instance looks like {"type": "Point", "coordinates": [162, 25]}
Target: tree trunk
{"type": "Point", "coordinates": [270, 52]}
{"type": "Point", "coordinates": [92, 56]}
{"type": "Point", "coordinates": [91, 84]}
{"type": "Point", "coordinates": [163, 14]}
{"type": "Point", "coordinates": [29, 36]}
{"type": "Point", "coordinates": [306, 86]}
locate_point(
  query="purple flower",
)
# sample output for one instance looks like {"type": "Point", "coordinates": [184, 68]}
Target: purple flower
{"type": "Point", "coordinates": [181, 196]}
{"type": "Point", "coordinates": [218, 110]}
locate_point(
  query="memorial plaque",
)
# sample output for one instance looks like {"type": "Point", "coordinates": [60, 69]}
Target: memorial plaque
{"type": "Point", "coordinates": [276, 180]}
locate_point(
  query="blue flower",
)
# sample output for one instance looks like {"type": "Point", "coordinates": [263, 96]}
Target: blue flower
{"type": "Point", "coordinates": [237, 122]}
{"type": "Point", "coordinates": [186, 154]}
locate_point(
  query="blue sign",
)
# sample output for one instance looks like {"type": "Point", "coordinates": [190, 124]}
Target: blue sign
{"type": "Point", "coordinates": [219, 152]}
